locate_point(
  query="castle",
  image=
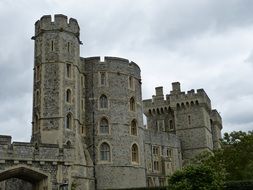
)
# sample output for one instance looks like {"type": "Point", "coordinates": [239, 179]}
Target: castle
{"type": "Point", "coordinates": [87, 129]}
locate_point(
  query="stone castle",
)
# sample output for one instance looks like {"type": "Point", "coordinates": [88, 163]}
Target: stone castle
{"type": "Point", "coordinates": [87, 129]}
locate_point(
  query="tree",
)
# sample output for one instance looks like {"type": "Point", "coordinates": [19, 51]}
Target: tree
{"type": "Point", "coordinates": [238, 155]}
{"type": "Point", "coordinates": [196, 177]}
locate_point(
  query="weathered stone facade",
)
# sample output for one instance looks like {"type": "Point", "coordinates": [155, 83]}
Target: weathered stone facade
{"type": "Point", "coordinates": [88, 130]}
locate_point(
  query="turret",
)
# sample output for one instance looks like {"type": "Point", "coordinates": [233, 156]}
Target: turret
{"type": "Point", "coordinates": [56, 106]}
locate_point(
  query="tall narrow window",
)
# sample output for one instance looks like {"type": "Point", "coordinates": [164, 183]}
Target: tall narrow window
{"type": "Point", "coordinates": [68, 121]}
{"type": "Point", "coordinates": [68, 47]}
{"type": "Point", "coordinates": [189, 119]}
{"type": "Point", "coordinates": [82, 104]}
{"type": "Point", "coordinates": [37, 73]}
{"type": "Point", "coordinates": [104, 127]}
{"type": "Point", "coordinates": [133, 128]}
{"type": "Point", "coordinates": [82, 81]}
{"type": "Point", "coordinates": [102, 78]}
{"type": "Point", "coordinates": [135, 153]}
{"type": "Point", "coordinates": [160, 125]}
{"type": "Point", "coordinates": [171, 124]}
{"type": "Point", "coordinates": [156, 165]}
{"type": "Point", "coordinates": [132, 104]}
{"type": "Point", "coordinates": [37, 97]}
{"type": "Point", "coordinates": [103, 102]}
{"type": "Point", "coordinates": [68, 96]}
{"type": "Point", "coordinates": [131, 82]}
{"type": "Point", "coordinates": [52, 45]}
{"type": "Point", "coordinates": [104, 152]}
{"type": "Point", "coordinates": [36, 123]}
{"type": "Point", "coordinates": [68, 68]}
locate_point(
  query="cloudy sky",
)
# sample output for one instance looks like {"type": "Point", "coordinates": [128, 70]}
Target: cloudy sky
{"type": "Point", "coordinates": [200, 43]}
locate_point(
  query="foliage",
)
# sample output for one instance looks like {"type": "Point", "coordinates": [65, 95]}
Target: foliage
{"type": "Point", "coordinates": [237, 155]}
{"type": "Point", "coordinates": [239, 185]}
{"type": "Point", "coordinates": [196, 177]}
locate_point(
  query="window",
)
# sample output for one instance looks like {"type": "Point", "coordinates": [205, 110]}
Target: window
{"type": "Point", "coordinates": [37, 73]}
{"type": "Point", "coordinates": [68, 121]}
{"type": "Point", "coordinates": [52, 45]}
{"type": "Point", "coordinates": [82, 81]}
{"type": "Point", "coordinates": [135, 153]}
{"type": "Point", "coordinates": [156, 165]}
{"type": "Point", "coordinates": [102, 78]}
{"type": "Point", "coordinates": [132, 104]}
{"type": "Point", "coordinates": [131, 83]}
{"type": "Point", "coordinates": [37, 97]}
{"type": "Point", "coordinates": [68, 70]}
{"type": "Point", "coordinates": [169, 153]}
{"type": "Point", "coordinates": [160, 125]}
{"type": "Point", "coordinates": [156, 150]}
{"type": "Point", "coordinates": [189, 119]}
{"type": "Point", "coordinates": [68, 47]}
{"type": "Point", "coordinates": [104, 127]}
{"type": "Point", "coordinates": [68, 96]}
{"type": "Point", "coordinates": [36, 123]}
{"type": "Point", "coordinates": [103, 102]}
{"type": "Point", "coordinates": [82, 104]}
{"type": "Point", "coordinates": [104, 152]}
{"type": "Point", "coordinates": [171, 124]}
{"type": "Point", "coordinates": [133, 128]}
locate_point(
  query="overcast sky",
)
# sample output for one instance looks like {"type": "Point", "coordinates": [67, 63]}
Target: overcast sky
{"type": "Point", "coordinates": [200, 43]}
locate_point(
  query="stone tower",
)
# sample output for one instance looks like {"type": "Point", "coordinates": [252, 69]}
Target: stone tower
{"type": "Point", "coordinates": [114, 122]}
{"type": "Point", "coordinates": [187, 115]}
{"type": "Point", "coordinates": [57, 81]}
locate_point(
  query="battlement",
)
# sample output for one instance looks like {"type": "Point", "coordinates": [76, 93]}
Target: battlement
{"type": "Point", "coordinates": [176, 99]}
{"type": "Point", "coordinates": [60, 23]}
{"type": "Point", "coordinates": [110, 59]}
{"type": "Point", "coordinates": [216, 118]}
{"type": "Point", "coordinates": [5, 140]}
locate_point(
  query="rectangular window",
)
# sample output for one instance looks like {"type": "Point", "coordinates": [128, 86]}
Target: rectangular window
{"type": "Point", "coordinates": [82, 104]}
{"type": "Point", "coordinates": [189, 119]}
{"type": "Point", "coordinates": [171, 124]}
{"type": "Point", "coordinates": [156, 166]}
{"type": "Point", "coordinates": [131, 82]}
{"type": "Point", "coordinates": [37, 73]}
{"type": "Point", "coordinates": [82, 81]}
{"type": "Point", "coordinates": [68, 68]}
{"type": "Point", "coordinates": [156, 150]}
{"type": "Point", "coordinates": [160, 125]}
{"type": "Point", "coordinates": [169, 152]}
{"type": "Point", "coordinates": [102, 78]}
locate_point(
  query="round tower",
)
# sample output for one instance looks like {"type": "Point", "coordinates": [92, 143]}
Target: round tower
{"type": "Point", "coordinates": [57, 86]}
{"type": "Point", "coordinates": [114, 122]}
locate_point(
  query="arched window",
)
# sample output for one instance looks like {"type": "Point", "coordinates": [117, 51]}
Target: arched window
{"type": "Point", "coordinates": [132, 104]}
{"type": "Point", "coordinates": [103, 102]}
{"type": "Point", "coordinates": [68, 96]}
{"type": "Point", "coordinates": [104, 152]}
{"type": "Point", "coordinates": [133, 128]}
{"type": "Point", "coordinates": [135, 153]}
{"type": "Point", "coordinates": [68, 121]}
{"type": "Point", "coordinates": [104, 127]}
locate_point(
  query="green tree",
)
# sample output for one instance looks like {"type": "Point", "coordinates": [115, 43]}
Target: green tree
{"type": "Point", "coordinates": [237, 155]}
{"type": "Point", "coordinates": [196, 177]}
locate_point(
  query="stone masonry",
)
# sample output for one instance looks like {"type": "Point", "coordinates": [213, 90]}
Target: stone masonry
{"type": "Point", "coordinates": [87, 124]}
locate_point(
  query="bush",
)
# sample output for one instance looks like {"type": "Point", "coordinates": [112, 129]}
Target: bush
{"type": "Point", "coordinates": [239, 185]}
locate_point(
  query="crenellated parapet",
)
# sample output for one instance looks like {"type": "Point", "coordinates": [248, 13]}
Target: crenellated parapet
{"type": "Point", "coordinates": [60, 23]}
{"type": "Point", "coordinates": [216, 118]}
{"type": "Point", "coordinates": [177, 99]}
